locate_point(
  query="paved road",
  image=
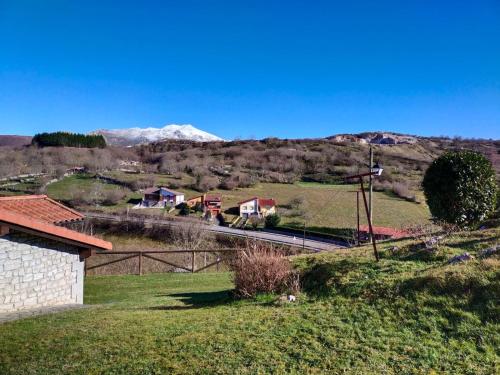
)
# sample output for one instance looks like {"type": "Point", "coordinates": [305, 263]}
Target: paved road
{"type": "Point", "coordinates": [316, 244]}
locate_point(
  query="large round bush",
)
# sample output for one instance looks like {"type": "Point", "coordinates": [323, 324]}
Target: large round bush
{"type": "Point", "coordinates": [460, 188]}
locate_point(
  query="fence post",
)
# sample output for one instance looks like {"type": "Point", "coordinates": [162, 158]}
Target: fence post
{"type": "Point", "coordinates": [192, 262]}
{"type": "Point", "coordinates": [140, 263]}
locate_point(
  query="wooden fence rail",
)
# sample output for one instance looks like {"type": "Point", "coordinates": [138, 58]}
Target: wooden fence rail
{"type": "Point", "coordinates": [150, 254]}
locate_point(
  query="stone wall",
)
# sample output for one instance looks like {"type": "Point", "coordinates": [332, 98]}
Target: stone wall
{"type": "Point", "coordinates": [36, 272]}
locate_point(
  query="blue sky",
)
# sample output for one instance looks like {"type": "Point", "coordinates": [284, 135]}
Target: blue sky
{"type": "Point", "coordinates": [252, 68]}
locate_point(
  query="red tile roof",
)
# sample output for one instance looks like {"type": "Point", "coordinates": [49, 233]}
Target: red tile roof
{"type": "Point", "coordinates": [38, 214]}
{"type": "Point", "coordinates": [42, 228]}
{"type": "Point", "coordinates": [384, 231]}
{"type": "Point", "coordinates": [40, 207]}
{"type": "Point", "coordinates": [267, 202]}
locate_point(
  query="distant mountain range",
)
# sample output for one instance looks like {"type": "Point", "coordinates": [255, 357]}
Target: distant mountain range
{"type": "Point", "coordinates": [136, 136]}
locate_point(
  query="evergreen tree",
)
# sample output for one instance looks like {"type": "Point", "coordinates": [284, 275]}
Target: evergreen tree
{"type": "Point", "coordinates": [65, 139]}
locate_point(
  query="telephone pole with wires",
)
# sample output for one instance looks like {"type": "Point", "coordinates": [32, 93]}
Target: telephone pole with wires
{"type": "Point", "coordinates": [370, 191]}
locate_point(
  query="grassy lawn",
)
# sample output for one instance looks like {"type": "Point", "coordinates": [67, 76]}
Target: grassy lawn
{"type": "Point", "coordinates": [65, 188]}
{"type": "Point", "coordinates": [408, 314]}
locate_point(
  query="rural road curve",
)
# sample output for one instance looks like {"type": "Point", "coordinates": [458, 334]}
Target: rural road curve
{"type": "Point", "coordinates": [316, 244]}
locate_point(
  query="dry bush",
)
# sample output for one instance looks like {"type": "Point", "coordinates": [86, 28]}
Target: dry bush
{"type": "Point", "coordinates": [382, 185]}
{"type": "Point", "coordinates": [422, 232]}
{"type": "Point", "coordinates": [191, 236]}
{"type": "Point", "coordinates": [256, 221]}
{"type": "Point", "coordinates": [112, 197]}
{"type": "Point", "coordinates": [402, 191]}
{"type": "Point", "coordinates": [260, 268]}
{"type": "Point", "coordinates": [143, 183]}
{"type": "Point", "coordinates": [205, 183]}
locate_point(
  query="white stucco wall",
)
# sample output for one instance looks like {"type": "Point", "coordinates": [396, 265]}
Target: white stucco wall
{"type": "Point", "coordinates": [248, 208]}
{"type": "Point", "coordinates": [35, 272]}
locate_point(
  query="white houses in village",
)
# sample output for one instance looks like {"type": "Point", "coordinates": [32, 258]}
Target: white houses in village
{"type": "Point", "coordinates": [255, 206]}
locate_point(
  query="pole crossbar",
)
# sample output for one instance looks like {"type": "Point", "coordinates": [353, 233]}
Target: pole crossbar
{"type": "Point", "coordinates": [136, 254]}
{"type": "Point", "coordinates": [166, 262]}
{"type": "Point", "coordinates": [209, 265]}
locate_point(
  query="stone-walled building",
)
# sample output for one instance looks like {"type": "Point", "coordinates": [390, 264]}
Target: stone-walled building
{"type": "Point", "coordinates": [41, 262]}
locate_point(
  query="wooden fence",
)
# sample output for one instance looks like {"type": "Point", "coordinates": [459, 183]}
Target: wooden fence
{"type": "Point", "coordinates": [220, 256]}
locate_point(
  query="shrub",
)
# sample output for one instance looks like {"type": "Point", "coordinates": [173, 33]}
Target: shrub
{"type": "Point", "coordinates": [272, 221]}
{"type": "Point", "coordinates": [184, 209]}
{"type": "Point", "coordinates": [142, 183]}
{"type": "Point", "coordinates": [205, 183]}
{"type": "Point", "coordinates": [262, 269]}
{"type": "Point", "coordinates": [460, 188]}
{"type": "Point", "coordinates": [401, 190]}
{"type": "Point", "coordinates": [255, 221]}
{"type": "Point", "coordinates": [228, 184]}
{"type": "Point", "coordinates": [112, 197]}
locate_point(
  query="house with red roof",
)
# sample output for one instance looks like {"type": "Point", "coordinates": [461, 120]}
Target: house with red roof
{"type": "Point", "coordinates": [260, 207]}
{"type": "Point", "coordinates": [41, 261]}
{"type": "Point", "coordinates": [212, 205]}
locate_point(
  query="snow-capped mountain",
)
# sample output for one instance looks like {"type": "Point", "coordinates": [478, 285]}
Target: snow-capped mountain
{"type": "Point", "coordinates": [135, 136]}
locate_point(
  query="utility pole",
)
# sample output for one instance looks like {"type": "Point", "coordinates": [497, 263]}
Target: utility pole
{"type": "Point", "coordinates": [370, 192]}
{"type": "Point", "coordinates": [357, 212]}
{"type": "Point", "coordinates": [374, 171]}
{"type": "Point", "coordinates": [304, 238]}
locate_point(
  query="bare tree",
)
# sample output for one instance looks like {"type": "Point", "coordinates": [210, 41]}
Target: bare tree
{"type": "Point", "coordinates": [192, 236]}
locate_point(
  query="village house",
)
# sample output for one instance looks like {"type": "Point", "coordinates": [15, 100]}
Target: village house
{"type": "Point", "coordinates": [211, 203]}
{"type": "Point", "coordinates": [161, 197]}
{"type": "Point", "coordinates": [41, 262]}
{"type": "Point", "coordinates": [192, 202]}
{"type": "Point", "coordinates": [255, 206]}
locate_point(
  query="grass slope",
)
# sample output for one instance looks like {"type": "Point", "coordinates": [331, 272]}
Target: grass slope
{"type": "Point", "coordinates": [329, 206]}
{"type": "Point", "coordinates": [66, 188]}
{"type": "Point", "coordinates": [409, 314]}
{"type": "Point", "coordinates": [333, 206]}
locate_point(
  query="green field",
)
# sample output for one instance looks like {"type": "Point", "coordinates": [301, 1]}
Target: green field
{"type": "Point", "coordinates": [328, 206]}
{"type": "Point", "coordinates": [409, 314]}
{"type": "Point", "coordinates": [66, 188]}
{"type": "Point", "coordinates": [333, 206]}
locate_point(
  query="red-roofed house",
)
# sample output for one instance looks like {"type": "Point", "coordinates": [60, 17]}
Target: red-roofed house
{"type": "Point", "coordinates": [382, 233]}
{"type": "Point", "coordinates": [41, 262]}
{"type": "Point", "coordinates": [212, 204]}
{"type": "Point", "coordinates": [255, 206]}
